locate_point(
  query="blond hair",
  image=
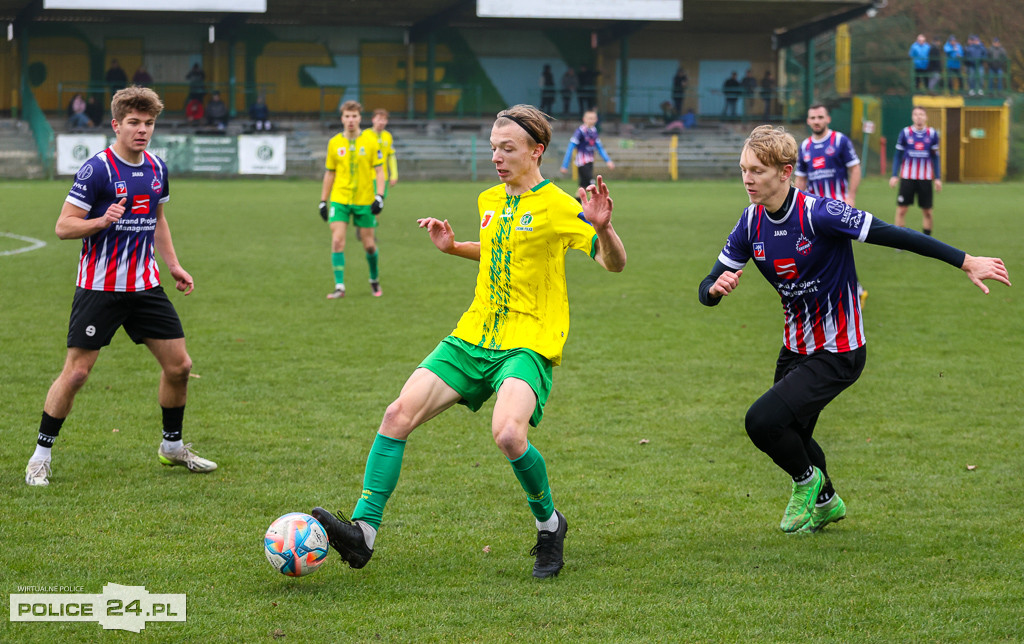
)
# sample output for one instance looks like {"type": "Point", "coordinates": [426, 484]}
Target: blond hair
{"type": "Point", "coordinates": [533, 121]}
{"type": "Point", "coordinates": [773, 146]}
{"type": "Point", "coordinates": [135, 99]}
{"type": "Point", "coordinates": [351, 106]}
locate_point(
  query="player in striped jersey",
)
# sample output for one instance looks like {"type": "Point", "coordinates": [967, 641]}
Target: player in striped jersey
{"type": "Point", "coordinates": [827, 164]}
{"type": "Point", "coordinates": [509, 339]}
{"type": "Point", "coordinates": [802, 245]}
{"type": "Point", "coordinates": [585, 141]}
{"type": "Point", "coordinates": [916, 166]}
{"type": "Point", "coordinates": [116, 207]}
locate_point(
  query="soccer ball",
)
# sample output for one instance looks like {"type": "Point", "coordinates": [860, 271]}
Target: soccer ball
{"type": "Point", "coordinates": [295, 544]}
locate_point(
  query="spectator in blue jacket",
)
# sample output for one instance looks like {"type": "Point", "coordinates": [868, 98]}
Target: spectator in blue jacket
{"type": "Point", "coordinates": [919, 51]}
{"type": "Point", "coordinates": [975, 56]}
{"type": "Point", "coordinates": [954, 54]}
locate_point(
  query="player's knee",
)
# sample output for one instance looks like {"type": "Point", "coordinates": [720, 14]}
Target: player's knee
{"type": "Point", "coordinates": [510, 438]}
{"type": "Point", "coordinates": [763, 423]}
{"type": "Point", "coordinates": [398, 418]}
{"type": "Point", "coordinates": [179, 370]}
{"type": "Point", "coordinates": [74, 377]}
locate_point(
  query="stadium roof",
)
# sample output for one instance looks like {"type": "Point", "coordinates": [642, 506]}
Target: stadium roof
{"type": "Point", "coordinates": [421, 16]}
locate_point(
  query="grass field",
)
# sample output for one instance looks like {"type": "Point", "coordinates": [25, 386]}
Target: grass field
{"type": "Point", "coordinates": [673, 513]}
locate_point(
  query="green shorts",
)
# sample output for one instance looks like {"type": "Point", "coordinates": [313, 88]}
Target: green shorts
{"type": "Point", "coordinates": [475, 373]}
{"type": "Point", "coordinates": [359, 215]}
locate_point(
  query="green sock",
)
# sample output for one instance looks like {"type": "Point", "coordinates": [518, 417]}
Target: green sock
{"type": "Point", "coordinates": [383, 466]}
{"type": "Point", "coordinates": [338, 261]}
{"type": "Point", "coordinates": [533, 476]}
{"type": "Point", "coordinates": [372, 261]}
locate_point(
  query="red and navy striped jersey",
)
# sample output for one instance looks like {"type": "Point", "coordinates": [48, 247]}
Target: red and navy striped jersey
{"type": "Point", "coordinates": [917, 149]}
{"type": "Point", "coordinates": [120, 257]}
{"type": "Point", "coordinates": [585, 141]}
{"type": "Point", "coordinates": [825, 163]}
{"type": "Point", "coordinates": [807, 255]}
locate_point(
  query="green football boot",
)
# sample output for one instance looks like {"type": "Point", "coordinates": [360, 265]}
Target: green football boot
{"type": "Point", "coordinates": [822, 515]}
{"type": "Point", "coordinates": [801, 503]}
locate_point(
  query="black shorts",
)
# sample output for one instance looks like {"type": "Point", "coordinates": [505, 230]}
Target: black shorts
{"type": "Point", "coordinates": [586, 174]}
{"type": "Point", "coordinates": [806, 383]}
{"type": "Point", "coordinates": [920, 187]}
{"type": "Point", "coordinates": [97, 315]}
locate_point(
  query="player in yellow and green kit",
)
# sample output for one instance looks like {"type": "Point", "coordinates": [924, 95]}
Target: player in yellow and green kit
{"type": "Point", "coordinates": [387, 147]}
{"type": "Point", "coordinates": [509, 339]}
{"type": "Point", "coordinates": [352, 191]}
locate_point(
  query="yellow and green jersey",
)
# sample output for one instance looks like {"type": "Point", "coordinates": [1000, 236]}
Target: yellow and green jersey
{"type": "Point", "coordinates": [521, 298]}
{"type": "Point", "coordinates": [353, 163]}
{"type": "Point", "coordinates": [387, 152]}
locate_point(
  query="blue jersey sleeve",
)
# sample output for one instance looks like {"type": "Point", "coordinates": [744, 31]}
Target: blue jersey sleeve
{"type": "Point", "coordinates": [848, 154]}
{"type": "Point", "coordinates": [568, 153]}
{"type": "Point", "coordinates": [88, 184]}
{"type": "Point", "coordinates": [839, 219]}
{"type": "Point", "coordinates": [738, 250]}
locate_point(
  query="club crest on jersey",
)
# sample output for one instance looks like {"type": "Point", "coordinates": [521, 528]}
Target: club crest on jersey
{"type": "Point", "coordinates": [830, 150]}
{"type": "Point", "coordinates": [524, 223]}
{"type": "Point", "coordinates": [803, 245]}
{"type": "Point", "coordinates": [487, 219]}
{"type": "Point", "coordinates": [156, 185]}
{"type": "Point", "coordinates": [759, 251]}
{"type": "Point", "coordinates": [786, 269]}
{"type": "Point", "coordinates": [120, 189]}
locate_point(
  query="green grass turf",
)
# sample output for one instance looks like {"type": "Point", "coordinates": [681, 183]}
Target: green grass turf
{"type": "Point", "coordinates": [672, 539]}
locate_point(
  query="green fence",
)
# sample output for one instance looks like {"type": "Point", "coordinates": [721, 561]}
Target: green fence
{"type": "Point", "coordinates": [41, 130]}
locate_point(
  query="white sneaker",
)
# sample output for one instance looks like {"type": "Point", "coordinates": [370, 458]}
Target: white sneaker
{"type": "Point", "coordinates": [185, 456]}
{"type": "Point", "coordinates": [38, 472]}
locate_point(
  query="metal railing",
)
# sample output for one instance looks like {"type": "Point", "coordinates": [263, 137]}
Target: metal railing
{"type": "Point", "coordinates": [41, 130]}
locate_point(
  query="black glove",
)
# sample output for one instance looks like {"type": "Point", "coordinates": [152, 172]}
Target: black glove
{"type": "Point", "coordinates": [377, 205]}
{"type": "Point", "coordinates": [323, 210]}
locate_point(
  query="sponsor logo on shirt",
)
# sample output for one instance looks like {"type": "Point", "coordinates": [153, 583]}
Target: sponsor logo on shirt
{"type": "Point", "coordinates": [120, 189]}
{"type": "Point", "coordinates": [487, 219]}
{"type": "Point", "coordinates": [80, 186]}
{"type": "Point", "coordinates": [781, 233]}
{"type": "Point", "coordinates": [838, 209]}
{"type": "Point", "coordinates": [803, 245]}
{"type": "Point", "coordinates": [818, 163]}
{"type": "Point", "coordinates": [84, 172]}
{"type": "Point", "coordinates": [342, 152]}
{"type": "Point", "coordinates": [918, 145]}
{"type": "Point", "coordinates": [759, 251]}
{"type": "Point", "coordinates": [140, 205]}
{"type": "Point", "coordinates": [136, 174]}
{"type": "Point", "coordinates": [786, 269]}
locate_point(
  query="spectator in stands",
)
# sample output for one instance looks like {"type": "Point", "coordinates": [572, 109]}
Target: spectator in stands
{"type": "Point", "coordinates": [94, 110]}
{"type": "Point", "coordinates": [116, 78]}
{"type": "Point", "coordinates": [954, 55]}
{"type": "Point", "coordinates": [142, 77]}
{"type": "Point", "coordinates": [767, 93]}
{"type": "Point", "coordinates": [673, 122]}
{"type": "Point", "coordinates": [547, 90]}
{"type": "Point", "coordinates": [569, 85]}
{"type": "Point", "coordinates": [77, 118]}
{"type": "Point", "coordinates": [732, 90]}
{"type": "Point", "coordinates": [919, 51]}
{"type": "Point", "coordinates": [975, 55]}
{"type": "Point", "coordinates": [587, 92]}
{"type": "Point", "coordinates": [996, 65]}
{"type": "Point", "coordinates": [749, 85]}
{"type": "Point", "coordinates": [935, 65]}
{"type": "Point", "coordinates": [194, 111]}
{"type": "Point", "coordinates": [217, 112]}
{"type": "Point", "coordinates": [196, 78]}
{"type": "Point", "coordinates": [260, 114]}
{"type": "Point", "coordinates": [680, 81]}
{"type": "Point", "coordinates": [689, 119]}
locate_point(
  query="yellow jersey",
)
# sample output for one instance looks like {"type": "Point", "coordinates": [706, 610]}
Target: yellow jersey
{"type": "Point", "coordinates": [387, 152]}
{"type": "Point", "coordinates": [353, 164]}
{"type": "Point", "coordinates": [521, 298]}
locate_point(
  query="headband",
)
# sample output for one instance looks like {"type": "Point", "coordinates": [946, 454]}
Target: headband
{"type": "Point", "coordinates": [521, 124]}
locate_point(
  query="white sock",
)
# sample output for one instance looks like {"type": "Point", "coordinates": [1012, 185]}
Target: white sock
{"type": "Point", "coordinates": [41, 453]}
{"type": "Point", "coordinates": [171, 446]}
{"type": "Point", "coordinates": [369, 533]}
{"type": "Point", "coordinates": [551, 525]}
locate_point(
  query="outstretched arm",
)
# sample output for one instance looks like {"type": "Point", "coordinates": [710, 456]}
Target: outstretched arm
{"type": "Point", "coordinates": [597, 208]}
{"type": "Point", "coordinates": [978, 269]}
{"type": "Point", "coordinates": [444, 238]}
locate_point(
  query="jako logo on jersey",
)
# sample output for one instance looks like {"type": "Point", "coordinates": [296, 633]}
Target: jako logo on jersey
{"type": "Point", "coordinates": [818, 163]}
{"type": "Point", "coordinates": [487, 219]}
{"type": "Point", "coordinates": [140, 205]}
{"type": "Point", "coordinates": [120, 189]}
{"type": "Point", "coordinates": [786, 269]}
{"type": "Point", "coordinates": [803, 245]}
{"type": "Point", "coordinates": [156, 186]}
{"type": "Point", "coordinates": [781, 233]}
{"type": "Point", "coordinates": [759, 251]}
{"type": "Point", "coordinates": [136, 174]}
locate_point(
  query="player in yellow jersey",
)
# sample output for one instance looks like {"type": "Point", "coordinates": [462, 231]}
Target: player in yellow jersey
{"type": "Point", "coordinates": [509, 339]}
{"type": "Point", "coordinates": [387, 146]}
{"type": "Point", "coordinates": [352, 191]}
